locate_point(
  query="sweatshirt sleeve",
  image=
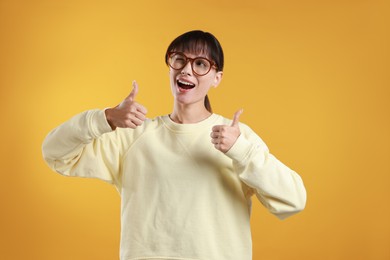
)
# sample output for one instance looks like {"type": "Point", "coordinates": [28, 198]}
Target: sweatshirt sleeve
{"type": "Point", "coordinates": [84, 146]}
{"type": "Point", "coordinates": [278, 188]}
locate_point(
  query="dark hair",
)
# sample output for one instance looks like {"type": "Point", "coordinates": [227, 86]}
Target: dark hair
{"type": "Point", "coordinates": [199, 42]}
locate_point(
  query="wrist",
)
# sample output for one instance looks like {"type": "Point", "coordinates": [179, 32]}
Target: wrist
{"type": "Point", "coordinates": [108, 113]}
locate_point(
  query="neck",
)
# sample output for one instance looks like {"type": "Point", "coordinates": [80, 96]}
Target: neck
{"type": "Point", "coordinates": [187, 114]}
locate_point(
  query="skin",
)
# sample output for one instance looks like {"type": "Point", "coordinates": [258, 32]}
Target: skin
{"type": "Point", "coordinates": [188, 106]}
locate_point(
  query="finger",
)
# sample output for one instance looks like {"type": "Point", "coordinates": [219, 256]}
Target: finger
{"type": "Point", "coordinates": [214, 141]}
{"type": "Point", "coordinates": [141, 108]}
{"type": "Point", "coordinates": [237, 117]}
{"type": "Point", "coordinates": [134, 91]}
{"type": "Point", "coordinates": [140, 116]}
{"type": "Point", "coordinates": [133, 122]}
{"type": "Point", "coordinates": [136, 121]}
{"type": "Point", "coordinates": [218, 147]}
{"type": "Point", "coordinates": [214, 135]}
{"type": "Point", "coordinates": [216, 128]}
{"type": "Point", "coordinates": [130, 124]}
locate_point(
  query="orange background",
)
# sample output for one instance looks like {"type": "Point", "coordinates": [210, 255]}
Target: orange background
{"type": "Point", "coordinates": [312, 77]}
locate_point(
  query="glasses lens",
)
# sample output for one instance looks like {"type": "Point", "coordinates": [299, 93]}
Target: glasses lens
{"type": "Point", "coordinates": [177, 61]}
{"type": "Point", "coordinates": [201, 66]}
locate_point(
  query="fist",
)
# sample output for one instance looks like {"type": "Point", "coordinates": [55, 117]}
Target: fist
{"type": "Point", "coordinates": [224, 136]}
{"type": "Point", "coordinates": [128, 114]}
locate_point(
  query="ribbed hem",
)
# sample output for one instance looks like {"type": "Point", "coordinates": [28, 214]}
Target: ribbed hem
{"type": "Point", "coordinates": [161, 258]}
{"type": "Point", "coordinates": [240, 149]}
{"type": "Point", "coordinates": [98, 124]}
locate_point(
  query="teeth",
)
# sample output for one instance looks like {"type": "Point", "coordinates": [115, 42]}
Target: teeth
{"type": "Point", "coordinates": [185, 83]}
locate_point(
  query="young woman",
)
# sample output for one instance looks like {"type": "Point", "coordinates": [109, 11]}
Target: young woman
{"type": "Point", "coordinates": [185, 179]}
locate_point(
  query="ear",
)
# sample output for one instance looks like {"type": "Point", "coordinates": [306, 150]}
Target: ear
{"type": "Point", "coordinates": [217, 78]}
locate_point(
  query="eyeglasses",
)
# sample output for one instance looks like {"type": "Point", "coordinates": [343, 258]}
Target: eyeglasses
{"type": "Point", "coordinates": [200, 66]}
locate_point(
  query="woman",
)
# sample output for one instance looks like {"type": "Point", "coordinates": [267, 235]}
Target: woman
{"type": "Point", "coordinates": [185, 179]}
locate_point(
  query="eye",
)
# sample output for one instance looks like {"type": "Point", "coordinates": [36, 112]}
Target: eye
{"type": "Point", "coordinates": [201, 63]}
{"type": "Point", "coordinates": [178, 60]}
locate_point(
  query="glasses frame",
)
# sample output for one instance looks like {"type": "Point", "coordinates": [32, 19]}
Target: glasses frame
{"type": "Point", "coordinates": [191, 60]}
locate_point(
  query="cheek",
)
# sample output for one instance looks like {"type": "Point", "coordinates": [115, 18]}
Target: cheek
{"type": "Point", "coordinates": [206, 83]}
{"type": "Point", "coordinates": [172, 76]}
{"type": "Point", "coordinates": [204, 88]}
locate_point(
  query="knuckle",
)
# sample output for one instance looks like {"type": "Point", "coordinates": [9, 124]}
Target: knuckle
{"type": "Point", "coordinates": [224, 130]}
{"type": "Point", "coordinates": [128, 116]}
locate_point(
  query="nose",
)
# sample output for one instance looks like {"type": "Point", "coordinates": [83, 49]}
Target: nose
{"type": "Point", "coordinates": [187, 69]}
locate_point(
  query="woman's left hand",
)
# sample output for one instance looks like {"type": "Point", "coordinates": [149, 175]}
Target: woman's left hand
{"type": "Point", "coordinates": [224, 136]}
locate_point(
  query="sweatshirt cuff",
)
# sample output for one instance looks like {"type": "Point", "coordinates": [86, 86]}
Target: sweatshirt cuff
{"type": "Point", "coordinates": [98, 123]}
{"type": "Point", "coordinates": [240, 149]}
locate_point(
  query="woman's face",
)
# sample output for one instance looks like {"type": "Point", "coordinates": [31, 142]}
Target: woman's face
{"type": "Point", "coordinates": [189, 88]}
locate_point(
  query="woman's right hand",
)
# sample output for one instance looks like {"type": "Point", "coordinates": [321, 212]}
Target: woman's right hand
{"type": "Point", "coordinates": [128, 114]}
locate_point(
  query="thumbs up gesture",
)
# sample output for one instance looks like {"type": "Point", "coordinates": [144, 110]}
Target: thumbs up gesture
{"type": "Point", "coordinates": [128, 114]}
{"type": "Point", "coordinates": [224, 136]}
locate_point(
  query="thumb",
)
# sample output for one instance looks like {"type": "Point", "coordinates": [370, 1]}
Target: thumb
{"type": "Point", "coordinates": [236, 117]}
{"type": "Point", "coordinates": [133, 92]}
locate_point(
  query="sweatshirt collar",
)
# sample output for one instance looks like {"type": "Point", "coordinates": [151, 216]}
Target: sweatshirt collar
{"type": "Point", "coordinates": [176, 127]}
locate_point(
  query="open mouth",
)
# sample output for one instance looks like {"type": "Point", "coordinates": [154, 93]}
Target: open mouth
{"type": "Point", "coordinates": [185, 85]}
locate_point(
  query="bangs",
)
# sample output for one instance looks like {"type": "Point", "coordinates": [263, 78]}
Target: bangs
{"type": "Point", "coordinates": [194, 46]}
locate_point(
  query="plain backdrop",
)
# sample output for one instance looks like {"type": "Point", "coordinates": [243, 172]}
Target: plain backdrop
{"type": "Point", "coordinates": [312, 77]}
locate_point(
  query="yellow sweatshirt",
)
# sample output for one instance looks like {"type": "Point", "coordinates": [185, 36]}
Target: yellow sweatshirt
{"type": "Point", "coordinates": [180, 197]}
